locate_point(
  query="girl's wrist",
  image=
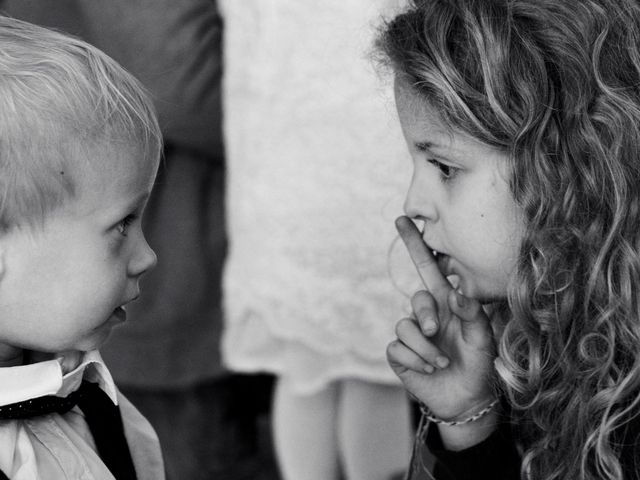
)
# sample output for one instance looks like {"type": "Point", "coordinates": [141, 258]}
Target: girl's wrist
{"type": "Point", "coordinates": [469, 427]}
{"type": "Point", "coordinates": [472, 414]}
{"type": "Point", "coordinates": [466, 435]}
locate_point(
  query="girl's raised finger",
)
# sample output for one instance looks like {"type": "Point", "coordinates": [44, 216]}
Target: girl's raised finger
{"type": "Point", "coordinates": [422, 257]}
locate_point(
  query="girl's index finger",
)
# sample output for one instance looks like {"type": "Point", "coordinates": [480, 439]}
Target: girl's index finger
{"type": "Point", "coordinates": [422, 257]}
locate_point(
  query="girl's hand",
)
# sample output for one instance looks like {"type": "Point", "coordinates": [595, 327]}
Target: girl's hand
{"type": "Point", "coordinates": [444, 354]}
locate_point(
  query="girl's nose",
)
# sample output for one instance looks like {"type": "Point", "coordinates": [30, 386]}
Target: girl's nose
{"type": "Point", "coordinates": [144, 260]}
{"type": "Point", "coordinates": [419, 202]}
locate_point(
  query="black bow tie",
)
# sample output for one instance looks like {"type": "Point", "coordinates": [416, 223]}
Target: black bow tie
{"type": "Point", "coordinates": [36, 407]}
{"type": "Point", "coordinates": [102, 416]}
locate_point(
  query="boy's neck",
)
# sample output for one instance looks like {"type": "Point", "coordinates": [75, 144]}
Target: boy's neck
{"type": "Point", "coordinates": [68, 360]}
{"type": "Point", "coordinates": [12, 357]}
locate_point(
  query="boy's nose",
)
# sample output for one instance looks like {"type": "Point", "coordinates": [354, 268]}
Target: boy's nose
{"type": "Point", "coordinates": [145, 260]}
{"type": "Point", "coordinates": [419, 202]}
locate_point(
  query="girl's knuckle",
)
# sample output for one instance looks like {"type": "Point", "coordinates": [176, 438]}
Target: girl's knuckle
{"type": "Point", "coordinates": [403, 326]}
{"type": "Point", "coordinates": [393, 349]}
{"type": "Point", "coordinates": [417, 296]}
{"type": "Point", "coordinates": [424, 312]}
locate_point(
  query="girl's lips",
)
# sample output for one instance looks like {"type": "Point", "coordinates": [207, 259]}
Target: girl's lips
{"type": "Point", "coordinates": [444, 261]}
{"type": "Point", "coordinates": [448, 271]}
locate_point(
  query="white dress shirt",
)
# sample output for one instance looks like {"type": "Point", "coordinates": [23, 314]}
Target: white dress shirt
{"type": "Point", "coordinates": [60, 447]}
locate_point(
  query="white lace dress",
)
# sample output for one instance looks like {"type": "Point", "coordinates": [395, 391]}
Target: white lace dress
{"type": "Point", "coordinates": [317, 170]}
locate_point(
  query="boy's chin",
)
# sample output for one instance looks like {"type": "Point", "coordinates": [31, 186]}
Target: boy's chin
{"type": "Point", "coordinates": [95, 341]}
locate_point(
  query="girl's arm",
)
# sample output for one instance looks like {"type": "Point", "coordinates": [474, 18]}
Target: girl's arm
{"type": "Point", "coordinates": [444, 356]}
{"type": "Point", "coordinates": [444, 353]}
{"type": "Point", "coordinates": [495, 457]}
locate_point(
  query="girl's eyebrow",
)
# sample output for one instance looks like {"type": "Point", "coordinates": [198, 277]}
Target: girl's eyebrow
{"type": "Point", "coordinates": [429, 145]}
{"type": "Point", "coordinates": [436, 139]}
{"type": "Point", "coordinates": [447, 150]}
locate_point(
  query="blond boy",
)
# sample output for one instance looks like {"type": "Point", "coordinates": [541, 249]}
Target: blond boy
{"type": "Point", "coordinates": [79, 150]}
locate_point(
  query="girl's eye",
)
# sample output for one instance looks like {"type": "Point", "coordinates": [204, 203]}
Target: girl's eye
{"type": "Point", "coordinates": [447, 172]}
{"type": "Point", "coordinates": [124, 224]}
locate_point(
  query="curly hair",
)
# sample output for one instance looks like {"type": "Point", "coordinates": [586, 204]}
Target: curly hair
{"type": "Point", "coordinates": [556, 85]}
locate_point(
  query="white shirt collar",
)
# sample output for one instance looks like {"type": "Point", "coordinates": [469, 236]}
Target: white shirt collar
{"type": "Point", "coordinates": [24, 382]}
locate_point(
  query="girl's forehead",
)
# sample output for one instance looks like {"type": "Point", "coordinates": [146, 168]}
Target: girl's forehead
{"type": "Point", "coordinates": [416, 104]}
{"type": "Point", "coordinates": [402, 88]}
{"type": "Point", "coordinates": [418, 114]}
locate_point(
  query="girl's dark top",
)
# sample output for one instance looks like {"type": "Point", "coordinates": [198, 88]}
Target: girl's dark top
{"type": "Point", "coordinates": [496, 458]}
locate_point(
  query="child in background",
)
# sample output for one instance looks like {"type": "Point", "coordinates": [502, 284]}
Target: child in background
{"type": "Point", "coordinates": [310, 202]}
{"type": "Point", "coordinates": [79, 150]}
{"type": "Point", "coordinates": [523, 122]}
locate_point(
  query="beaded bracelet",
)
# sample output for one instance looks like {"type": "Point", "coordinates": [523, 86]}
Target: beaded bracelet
{"type": "Point", "coordinates": [429, 416]}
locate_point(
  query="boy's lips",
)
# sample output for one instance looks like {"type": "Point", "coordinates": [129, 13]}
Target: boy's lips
{"type": "Point", "coordinates": [120, 313]}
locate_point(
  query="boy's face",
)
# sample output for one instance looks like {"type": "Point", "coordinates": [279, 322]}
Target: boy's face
{"type": "Point", "coordinates": [459, 190]}
{"type": "Point", "coordinates": [62, 286]}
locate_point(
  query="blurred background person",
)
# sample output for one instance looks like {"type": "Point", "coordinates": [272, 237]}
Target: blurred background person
{"type": "Point", "coordinates": [311, 202]}
{"type": "Point", "coordinates": [166, 358]}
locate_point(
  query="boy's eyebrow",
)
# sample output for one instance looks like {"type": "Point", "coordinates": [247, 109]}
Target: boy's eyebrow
{"type": "Point", "coordinates": [137, 201]}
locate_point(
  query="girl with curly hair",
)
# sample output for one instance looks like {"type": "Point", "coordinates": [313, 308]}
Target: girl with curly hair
{"type": "Point", "coordinates": [522, 118]}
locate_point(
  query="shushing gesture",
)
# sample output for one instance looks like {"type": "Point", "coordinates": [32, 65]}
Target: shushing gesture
{"type": "Point", "coordinates": [444, 352]}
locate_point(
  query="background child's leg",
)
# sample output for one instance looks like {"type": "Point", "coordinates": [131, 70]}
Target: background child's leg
{"type": "Point", "coordinates": [374, 430]}
{"type": "Point", "coordinates": [304, 433]}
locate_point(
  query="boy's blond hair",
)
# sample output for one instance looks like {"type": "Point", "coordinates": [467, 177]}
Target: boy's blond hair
{"type": "Point", "coordinates": [60, 98]}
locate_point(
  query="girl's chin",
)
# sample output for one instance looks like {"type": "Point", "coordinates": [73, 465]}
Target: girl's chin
{"type": "Point", "coordinates": [483, 297]}
{"type": "Point", "coordinates": [471, 290]}
{"type": "Point", "coordinates": [454, 280]}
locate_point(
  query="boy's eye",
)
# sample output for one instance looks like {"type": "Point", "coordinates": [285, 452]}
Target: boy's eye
{"type": "Point", "coordinates": [124, 224]}
{"type": "Point", "coordinates": [446, 171]}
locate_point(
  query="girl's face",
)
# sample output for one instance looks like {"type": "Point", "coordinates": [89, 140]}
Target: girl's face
{"type": "Point", "coordinates": [460, 191]}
